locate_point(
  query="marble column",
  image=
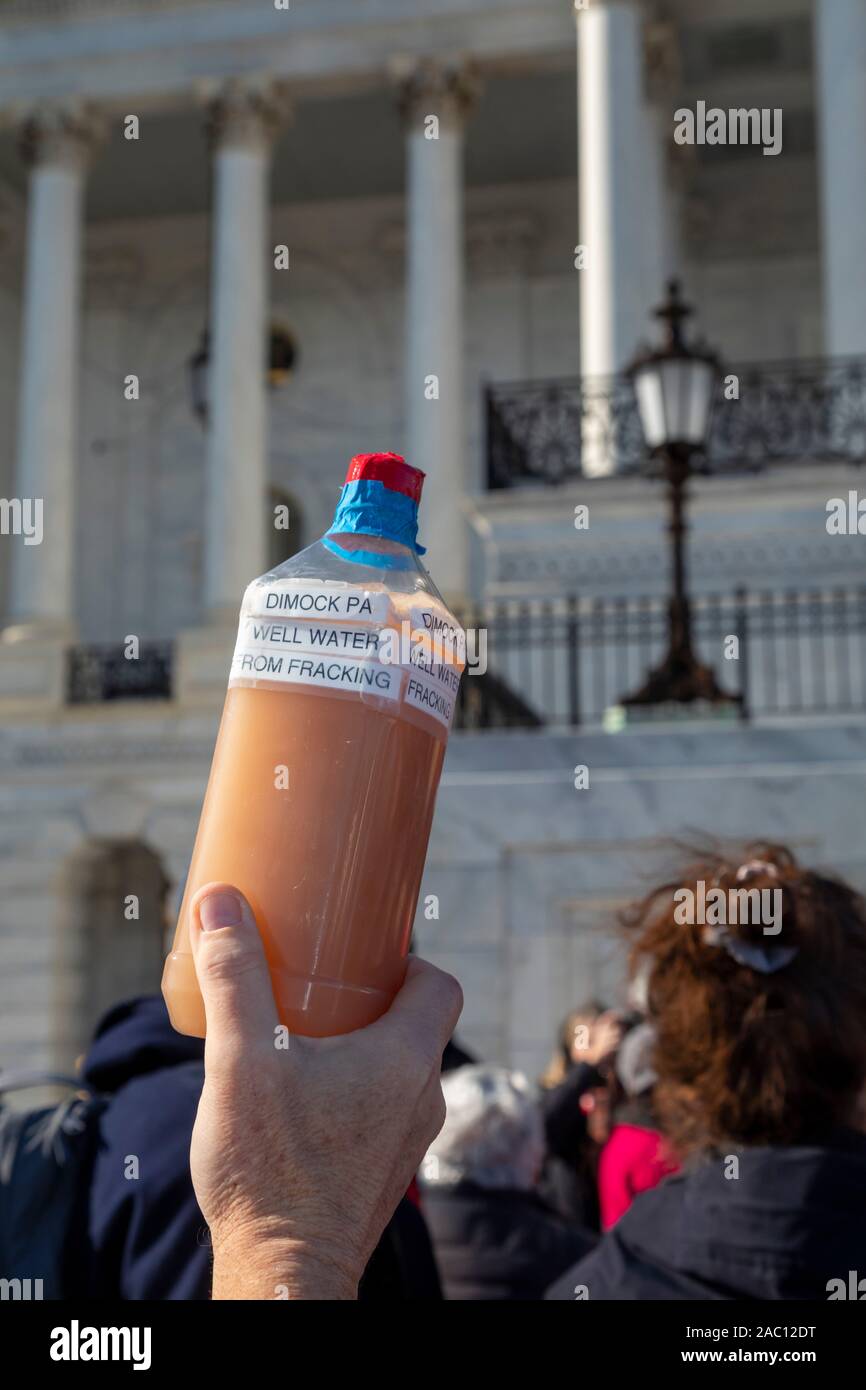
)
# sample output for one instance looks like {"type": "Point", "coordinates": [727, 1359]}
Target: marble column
{"type": "Point", "coordinates": [840, 65]}
{"type": "Point", "coordinates": [243, 120]}
{"type": "Point", "coordinates": [56, 144]}
{"type": "Point", "coordinates": [621, 202]}
{"type": "Point", "coordinates": [435, 100]}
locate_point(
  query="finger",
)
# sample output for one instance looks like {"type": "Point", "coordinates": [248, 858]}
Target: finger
{"type": "Point", "coordinates": [231, 967]}
{"type": "Point", "coordinates": [426, 1008]}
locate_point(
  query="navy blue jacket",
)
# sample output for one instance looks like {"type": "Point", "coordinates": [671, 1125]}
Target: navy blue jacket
{"type": "Point", "coordinates": [147, 1236]}
{"type": "Point", "coordinates": [792, 1220]}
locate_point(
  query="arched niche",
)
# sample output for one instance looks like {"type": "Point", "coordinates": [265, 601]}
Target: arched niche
{"type": "Point", "coordinates": [110, 936]}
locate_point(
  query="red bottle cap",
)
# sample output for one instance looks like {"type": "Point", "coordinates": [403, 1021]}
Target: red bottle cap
{"type": "Point", "coordinates": [391, 470]}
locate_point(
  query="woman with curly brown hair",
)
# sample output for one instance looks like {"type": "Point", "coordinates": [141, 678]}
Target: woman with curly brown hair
{"type": "Point", "coordinates": [755, 974]}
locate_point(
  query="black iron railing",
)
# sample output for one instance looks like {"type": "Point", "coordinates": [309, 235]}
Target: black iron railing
{"type": "Point", "coordinates": [543, 432]}
{"type": "Point", "coordinates": [566, 662]}
{"type": "Point", "coordinates": [103, 672]}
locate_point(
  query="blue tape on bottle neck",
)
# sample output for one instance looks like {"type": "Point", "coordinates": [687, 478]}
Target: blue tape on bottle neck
{"type": "Point", "coordinates": [367, 557]}
{"type": "Point", "coordinates": [368, 508]}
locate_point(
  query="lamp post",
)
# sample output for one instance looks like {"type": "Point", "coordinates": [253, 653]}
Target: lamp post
{"type": "Point", "coordinates": [674, 385]}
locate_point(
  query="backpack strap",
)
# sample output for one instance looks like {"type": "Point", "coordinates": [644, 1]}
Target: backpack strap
{"type": "Point", "coordinates": [46, 1158]}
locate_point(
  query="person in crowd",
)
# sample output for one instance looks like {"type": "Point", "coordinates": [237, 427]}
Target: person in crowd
{"type": "Point", "coordinates": [572, 1043]}
{"type": "Point", "coordinates": [493, 1236]}
{"type": "Point", "coordinates": [759, 1007]}
{"type": "Point", "coordinates": [576, 1114]}
{"type": "Point", "coordinates": [635, 1157]}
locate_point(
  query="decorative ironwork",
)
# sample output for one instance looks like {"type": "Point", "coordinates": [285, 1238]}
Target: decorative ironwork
{"type": "Point", "coordinates": [791, 412]}
{"type": "Point", "coordinates": [798, 653]}
{"type": "Point", "coordinates": [785, 412]}
{"type": "Point", "coordinates": [104, 672]}
{"type": "Point", "coordinates": [537, 431]}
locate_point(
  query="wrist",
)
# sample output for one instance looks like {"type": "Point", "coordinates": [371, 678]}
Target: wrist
{"type": "Point", "coordinates": [256, 1264]}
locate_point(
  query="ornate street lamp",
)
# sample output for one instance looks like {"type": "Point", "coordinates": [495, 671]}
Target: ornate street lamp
{"type": "Point", "coordinates": [674, 385]}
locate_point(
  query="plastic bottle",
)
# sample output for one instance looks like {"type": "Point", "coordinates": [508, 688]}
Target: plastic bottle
{"type": "Point", "coordinates": [327, 762]}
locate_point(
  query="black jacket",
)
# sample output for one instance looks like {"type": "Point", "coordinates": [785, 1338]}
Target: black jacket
{"type": "Point", "coordinates": [792, 1220]}
{"type": "Point", "coordinates": [498, 1244]}
{"type": "Point", "coordinates": [569, 1182]}
{"type": "Point", "coordinates": [146, 1235]}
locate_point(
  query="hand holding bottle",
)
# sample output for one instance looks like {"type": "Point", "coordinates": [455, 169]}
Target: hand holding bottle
{"type": "Point", "coordinates": [299, 1155]}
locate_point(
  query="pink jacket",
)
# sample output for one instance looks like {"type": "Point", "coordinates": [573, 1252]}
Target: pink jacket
{"type": "Point", "coordinates": [633, 1160]}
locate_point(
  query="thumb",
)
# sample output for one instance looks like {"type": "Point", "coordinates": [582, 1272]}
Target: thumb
{"type": "Point", "coordinates": [230, 965]}
{"type": "Point", "coordinates": [425, 1010]}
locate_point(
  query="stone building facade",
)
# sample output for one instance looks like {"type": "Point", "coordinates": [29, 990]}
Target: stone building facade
{"type": "Point", "coordinates": [308, 128]}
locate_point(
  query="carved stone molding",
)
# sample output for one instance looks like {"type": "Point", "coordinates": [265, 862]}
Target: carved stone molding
{"type": "Point", "coordinates": [430, 87]}
{"type": "Point", "coordinates": [497, 243]}
{"type": "Point", "coordinates": [719, 561]}
{"type": "Point", "coordinates": [61, 134]}
{"type": "Point", "coordinates": [662, 58]}
{"type": "Point", "coordinates": [246, 112]}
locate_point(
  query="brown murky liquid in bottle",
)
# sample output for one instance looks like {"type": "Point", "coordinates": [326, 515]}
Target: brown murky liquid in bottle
{"type": "Point", "coordinates": [331, 865]}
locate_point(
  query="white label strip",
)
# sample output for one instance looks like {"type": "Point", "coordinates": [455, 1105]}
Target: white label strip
{"type": "Point", "coordinates": [428, 696]}
{"type": "Point", "coordinates": [436, 627]}
{"type": "Point", "coordinates": [340, 673]}
{"type": "Point", "coordinates": [330, 635]}
{"type": "Point", "coordinates": [293, 598]}
{"type": "Point", "coordinates": [265, 634]}
{"type": "Point", "coordinates": [440, 672]}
